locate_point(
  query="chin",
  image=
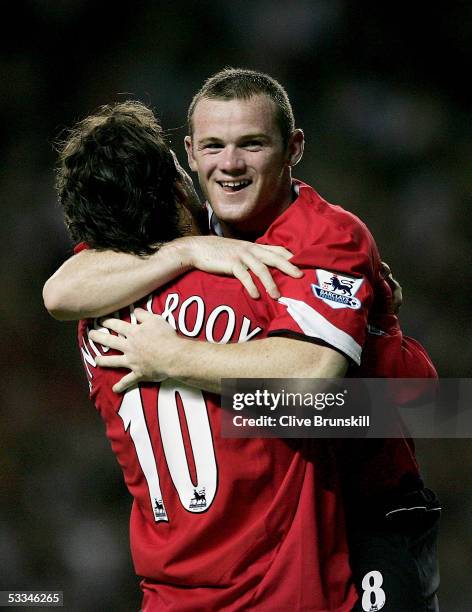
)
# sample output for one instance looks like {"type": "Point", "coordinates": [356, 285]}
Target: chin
{"type": "Point", "coordinates": [231, 211]}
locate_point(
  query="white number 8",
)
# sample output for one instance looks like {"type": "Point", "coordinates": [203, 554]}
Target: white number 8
{"type": "Point", "coordinates": [371, 584]}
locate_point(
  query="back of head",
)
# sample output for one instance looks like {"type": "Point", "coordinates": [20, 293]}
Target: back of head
{"type": "Point", "coordinates": [116, 180]}
{"type": "Point", "coordinates": [243, 84]}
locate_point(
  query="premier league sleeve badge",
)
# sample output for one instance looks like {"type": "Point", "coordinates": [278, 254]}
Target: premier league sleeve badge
{"type": "Point", "coordinates": [337, 290]}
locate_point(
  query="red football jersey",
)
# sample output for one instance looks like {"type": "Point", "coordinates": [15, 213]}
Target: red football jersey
{"type": "Point", "coordinates": [221, 524]}
{"type": "Point", "coordinates": [342, 301]}
{"type": "Point", "coordinates": [256, 524]}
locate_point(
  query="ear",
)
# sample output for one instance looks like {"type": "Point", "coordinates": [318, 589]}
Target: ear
{"type": "Point", "coordinates": [296, 145]}
{"type": "Point", "coordinates": [189, 148]}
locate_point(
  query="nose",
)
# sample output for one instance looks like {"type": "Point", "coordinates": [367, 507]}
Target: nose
{"type": "Point", "coordinates": [232, 161]}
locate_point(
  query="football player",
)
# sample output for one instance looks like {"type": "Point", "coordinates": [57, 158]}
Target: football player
{"type": "Point", "coordinates": [243, 143]}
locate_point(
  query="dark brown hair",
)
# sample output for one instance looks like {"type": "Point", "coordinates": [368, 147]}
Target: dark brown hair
{"type": "Point", "coordinates": [116, 180]}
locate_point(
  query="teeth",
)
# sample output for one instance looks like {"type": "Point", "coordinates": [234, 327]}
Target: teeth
{"type": "Point", "coordinates": [234, 183]}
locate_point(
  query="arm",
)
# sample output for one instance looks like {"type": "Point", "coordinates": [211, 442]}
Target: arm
{"type": "Point", "coordinates": [203, 364]}
{"type": "Point", "coordinates": [93, 283]}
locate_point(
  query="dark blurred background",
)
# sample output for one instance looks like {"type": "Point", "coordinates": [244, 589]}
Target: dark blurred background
{"type": "Point", "coordinates": [382, 92]}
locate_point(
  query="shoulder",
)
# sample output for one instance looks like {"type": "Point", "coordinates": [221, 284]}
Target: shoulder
{"type": "Point", "coordinates": [328, 217]}
{"type": "Point", "coordinates": [312, 220]}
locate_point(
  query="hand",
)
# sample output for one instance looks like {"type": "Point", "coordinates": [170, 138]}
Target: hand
{"type": "Point", "coordinates": [397, 295]}
{"type": "Point", "coordinates": [237, 257]}
{"type": "Point", "coordinates": [148, 348]}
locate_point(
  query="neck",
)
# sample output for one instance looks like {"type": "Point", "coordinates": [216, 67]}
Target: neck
{"type": "Point", "coordinates": [241, 233]}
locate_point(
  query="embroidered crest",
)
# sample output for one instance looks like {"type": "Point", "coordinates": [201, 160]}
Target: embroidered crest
{"type": "Point", "coordinates": [337, 290]}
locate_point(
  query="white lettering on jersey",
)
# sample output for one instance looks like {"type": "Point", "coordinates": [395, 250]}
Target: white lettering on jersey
{"type": "Point", "coordinates": [194, 299]}
{"type": "Point", "coordinates": [87, 356]}
{"type": "Point", "coordinates": [132, 414]}
{"type": "Point", "coordinates": [88, 345]}
{"type": "Point", "coordinates": [172, 301]}
{"type": "Point", "coordinates": [196, 497]}
{"type": "Point", "coordinates": [104, 330]}
{"type": "Point", "coordinates": [246, 333]}
{"type": "Point", "coordinates": [230, 324]}
{"type": "Point", "coordinates": [171, 311]}
{"type": "Point", "coordinates": [179, 319]}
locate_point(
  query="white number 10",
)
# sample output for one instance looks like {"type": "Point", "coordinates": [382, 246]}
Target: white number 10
{"type": "Point", "coordinates": [193, 497]}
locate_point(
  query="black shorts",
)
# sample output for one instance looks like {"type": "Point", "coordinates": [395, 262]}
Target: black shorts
{"type": "Point", "coordinates": [394, 558]}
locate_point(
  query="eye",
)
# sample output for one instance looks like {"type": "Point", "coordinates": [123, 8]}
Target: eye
{"type": "Point", "coordinates": [252, 145]}
{"type": "Point", "coordinates": [212, 146]}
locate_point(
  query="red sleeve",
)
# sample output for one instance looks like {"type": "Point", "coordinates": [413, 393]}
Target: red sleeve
{"type": "Point", "coordinates": [332, 300]}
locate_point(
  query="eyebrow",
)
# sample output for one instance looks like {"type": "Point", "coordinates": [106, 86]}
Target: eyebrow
{"type": "Point", "coordinates": [213, 139]}
{"type": "Point", "coordinates": [208, 140]}
{"type": "Point", "coordinates": [255, 137]}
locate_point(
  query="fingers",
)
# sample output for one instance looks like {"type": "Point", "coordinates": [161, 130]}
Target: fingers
{"type": "Point", "coordinates": [397, 294]}
{"type": "Point", "coordinates": [257, 260]}
{"type": "Point", "coordinates": [111, 361]}
{"type": "Point", "coordinates": [385, 269]}
{"type": "Point", "coordinates": [125, 383]}
{"type": "Point", "coordinates": [160, 325]}
{"type": "Point", "coordinates": [113, 342]}
{"type": "Point", "coordinates": [264, 275]}
{"type": "Point", "coordinates": [278, 250]}
{"type": "Point", "coordinates": [240, 272]}
{"type": "Point", "coordinates": [142, 315]}
{"type": "Point", "coordinates": [120, 327]}
{"type": "Point", "coordinates": [286, 267]}
{"type": "Point", "coordinates": [277, 257]}
{"type": "Point", "coordinates": [129, 381]}
{"type": "Point", "coordinates": [394, 284]}
{"type": "Point", "coordinates": [397, 297]}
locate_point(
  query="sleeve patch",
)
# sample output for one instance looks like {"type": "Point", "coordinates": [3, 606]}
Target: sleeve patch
{"type": "Point", "coordinates": [337, 290]}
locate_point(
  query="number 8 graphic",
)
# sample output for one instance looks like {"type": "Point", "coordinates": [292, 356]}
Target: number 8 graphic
{"type": "Point", "coordinates": [194, 498]}
{"type": "Point", "coordinates": [373, 587]}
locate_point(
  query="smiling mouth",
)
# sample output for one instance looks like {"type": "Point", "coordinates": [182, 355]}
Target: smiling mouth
{"type": "Point", "coordinates": [233, 186]}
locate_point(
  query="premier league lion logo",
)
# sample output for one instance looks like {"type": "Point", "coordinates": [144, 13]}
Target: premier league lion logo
{"type": "Point", "coordinates": [336, 290]}
{"type": "Point", "coordinates": [199, 499]}
{"type": "Point", "coordinates": [345, 286]}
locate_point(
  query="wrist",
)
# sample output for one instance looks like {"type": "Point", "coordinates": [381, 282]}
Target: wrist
{"type": "Point", "coordinates": [193, 252]}
{"type": "Point", "coordinates": [177, 366]}
{"type": "Point", "coordinates": [179, 252]}
{"type": "Point", "coordinates": [184, 363]}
